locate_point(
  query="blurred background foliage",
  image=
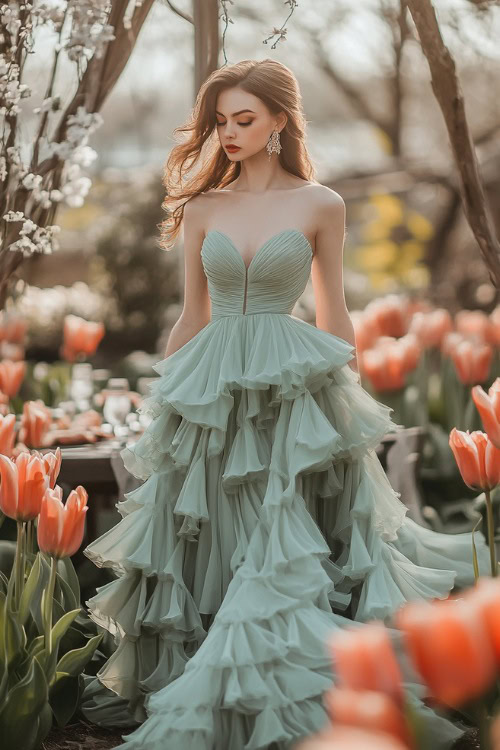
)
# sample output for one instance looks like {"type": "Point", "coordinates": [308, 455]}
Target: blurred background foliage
{"type": "Point", "coordinates": [374, 131]}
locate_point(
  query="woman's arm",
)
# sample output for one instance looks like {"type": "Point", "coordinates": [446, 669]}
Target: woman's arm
{"type": "Point", "coordinates": [327, 270]}
{"type": "Point", "coordinates": [195, 313]}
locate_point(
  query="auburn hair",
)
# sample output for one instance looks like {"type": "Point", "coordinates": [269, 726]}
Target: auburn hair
{"type": "Point", "coordinates": [277, 87]}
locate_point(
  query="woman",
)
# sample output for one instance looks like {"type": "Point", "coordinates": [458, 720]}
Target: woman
{"type": "Point", "coordinates": [265, 520]}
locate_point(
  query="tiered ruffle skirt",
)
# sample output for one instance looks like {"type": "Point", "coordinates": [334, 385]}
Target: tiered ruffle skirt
{"type": "Point", "coordinates": [264, 523]}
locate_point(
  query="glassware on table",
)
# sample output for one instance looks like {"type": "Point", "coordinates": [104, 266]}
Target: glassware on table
{"type": "Point", "coordinates": [81, 387]}
{"type": "Point", "coordinates": [100, 376]}
{"type": "Point", "coordinates": [117, 405]}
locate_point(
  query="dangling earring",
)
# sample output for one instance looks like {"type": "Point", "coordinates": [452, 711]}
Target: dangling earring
{"type": "Point", "coordinates": [273, 144]}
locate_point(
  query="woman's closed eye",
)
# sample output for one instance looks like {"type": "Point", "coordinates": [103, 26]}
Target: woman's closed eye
{"type": "Point", "coordinates": [243, 124]}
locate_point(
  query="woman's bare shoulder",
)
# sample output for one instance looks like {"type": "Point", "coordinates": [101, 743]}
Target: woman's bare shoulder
{"type": "Point", "coordinates": [324, 196]}
{"type": "Point", "coordinates": [194, 207]}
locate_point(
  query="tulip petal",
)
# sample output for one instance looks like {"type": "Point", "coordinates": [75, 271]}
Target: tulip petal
{"type": "Point", "coordinates": [487, 411]}
{"type": "Point", "coordinates": [9, 491]}
{"type": "Point", "coordinates": [467, 457]}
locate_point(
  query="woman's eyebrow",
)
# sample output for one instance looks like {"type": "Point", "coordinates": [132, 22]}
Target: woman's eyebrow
{"type": "Point", "coordinates": [236, 113]}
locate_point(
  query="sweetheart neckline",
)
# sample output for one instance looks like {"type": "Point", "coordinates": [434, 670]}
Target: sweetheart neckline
{"type": "Point", "coordinates": [265, 244]}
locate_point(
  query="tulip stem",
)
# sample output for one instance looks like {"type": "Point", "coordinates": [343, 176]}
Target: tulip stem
{"type": "Point", "coordinates": [29, 537]}
{"type": "Point", "coordinates": [19, 565]}
{"type": "Point", "coordinates": [49, 601]}
{"type": "Point", "coordinates": [491, 533]}
{"type": "Point", "coordinates": [25, 553]}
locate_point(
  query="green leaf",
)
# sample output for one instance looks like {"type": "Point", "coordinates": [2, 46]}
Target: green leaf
{"type": "Point", "coordinates": [73, 638]}
{"type": "Point", "coordinates": [4, 582]}
{"type": "Point", "coordinates": [29, 591]}
{"type": "Point", "coordinates": [74, 661]}
{"type": "Point", "coordinates": [44, 722]}
{"type": "Point", "coordinates": [67, 592]}
{"type": "Point", "coordinates": [13, 638]}
{"type": "Point", "coordinates": [49, 661]}
{"type": "Point", "coordinates": [64, 696]}
{"type": "Point", "coordinates": [3, 687]}
{"type": "Point", "coordinates": [36, 604]}
{"type": "Point", "coordinates": [62, 625]}
{"type": "Point", "coordinates": [416, 724]}
{"type": "Point", "coordinates": [66, 571]}
{"type": "Point", "coordinates": [25, 701]}
{"type": "Point", "coordinates": [10, 592]}
{"type": "Point", "coordinates": [36, 645]}
{"type": "Point", "coordinates": [7, 555]}
{"type": "Point", "coordinates": [31, 629]}
{"type": "Point", "coordinates": [474, 551]}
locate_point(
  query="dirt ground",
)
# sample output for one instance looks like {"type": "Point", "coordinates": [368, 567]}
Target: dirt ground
{"type": "Point", "coordinates": [85, 736]}
{"type": "Point", "coordinates": [82, 735]}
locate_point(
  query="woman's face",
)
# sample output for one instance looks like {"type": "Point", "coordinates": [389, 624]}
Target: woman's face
{"type": "Point", "coordinates": [243, 120]}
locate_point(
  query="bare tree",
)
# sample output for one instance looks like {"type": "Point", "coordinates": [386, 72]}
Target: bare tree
{"type": "Point", "coordinates": [32, 191]}
{"type": "Point", "coordinates": [447, 90]}
{"type": "Point", "coordinates": [390, 120]}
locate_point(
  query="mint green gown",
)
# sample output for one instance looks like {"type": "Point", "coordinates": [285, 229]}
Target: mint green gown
{"type": "Point", "coordinates": [265, 523]}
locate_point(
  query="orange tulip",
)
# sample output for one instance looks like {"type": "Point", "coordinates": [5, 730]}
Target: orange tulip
{"type": "Point", "coordinates": [472, 361]}
{"type": "Point", "coordinates": [431, 327]}
{"type": "Point", "coordinates": [60, 527]}
{"type": "Point", "coordinates": [4, 403]}
{"type": "Point", "coordinates": [52, 463]}
{"type": "Point", "coordinates": [449, 647]}
{"type": "Point", "coordinates": [450, 341]}
{"type": "Point", "coordinates": [484, 600]}
{"type": "Point", "coordinates": [11, 376]}
{"type": "Point", "coordinates": [80, 336]}
{"type": "Point", "coordinates": [364, 660]}
{"type": "Point", "coordinates": [494, 334]}
{"type": "Point", "coordinates": [416, 305]}
{"type": "Point", "coordinates": [473, 324]}
{"type": "Point", "coordinates": [387, 364]}
{"type": "Point", "coordinates": [14, 352]}
{"type": "Point", "coordinates": [365, 330]}
{"type": "Point", "coordinates": [7, 433]}
{"type": "Point", "coordinates": [478, 459]}
{"type": "Point", "coordinates": [367, 709]}
{"type": "Point", "coordinates": [488, 406]}
{"type": "Point", "coordinates": [23, 485]}
{"type": "Point", "coordinates": [384, 370]}
{"type": "Point", "coordinates": [350, 738]}
{"type": "Point", "coordinates": [36, 421]}
{"type": "Point", "coordinates": [15, 328]}
{"type": "Point", "coordinates": [412, 350]}
{"type": "Point", "coordinates": [390, 313]}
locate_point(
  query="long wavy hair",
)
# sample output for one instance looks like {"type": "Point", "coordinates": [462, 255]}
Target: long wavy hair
{"type": "Point", "coordinates": [273, 83]}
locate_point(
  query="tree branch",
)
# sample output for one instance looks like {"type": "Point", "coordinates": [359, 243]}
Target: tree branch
{"type": "Point", "coordinates": [447, 90]}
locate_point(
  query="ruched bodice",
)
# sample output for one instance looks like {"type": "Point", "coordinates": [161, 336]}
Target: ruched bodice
{"type": "Point", "coordinates": [273, 282]}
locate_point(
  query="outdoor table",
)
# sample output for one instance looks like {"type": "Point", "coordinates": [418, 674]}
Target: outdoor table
{"type": "Point", "coordinates": [99, 468]}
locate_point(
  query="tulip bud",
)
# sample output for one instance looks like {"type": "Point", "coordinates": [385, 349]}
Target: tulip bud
{"type": "Point", "coordinates": [488, 406]}
{"type": "Point", "coordinates": [23, 485]}
{"type": "Point", "coordinates": [477, 458]}
{"type": "Point", "coordinates": [60, 527]}
{"type": "Point", "coordinates": [449, 647]}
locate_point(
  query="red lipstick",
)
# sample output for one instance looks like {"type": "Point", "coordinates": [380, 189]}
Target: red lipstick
{"type": "Point", "coordinates": [232, 148]}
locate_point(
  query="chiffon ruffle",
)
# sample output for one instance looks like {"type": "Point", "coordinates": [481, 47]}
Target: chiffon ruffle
{"type": "Point", "coordinates": [265, 521]}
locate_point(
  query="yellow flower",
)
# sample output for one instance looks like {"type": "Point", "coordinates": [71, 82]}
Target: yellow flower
{"type": "Point", "coordinates": [419, 226]}
{"type": "Point", "coordinates": [377, 256]}
{"type": "Point", "coordinates": [390, 208]}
